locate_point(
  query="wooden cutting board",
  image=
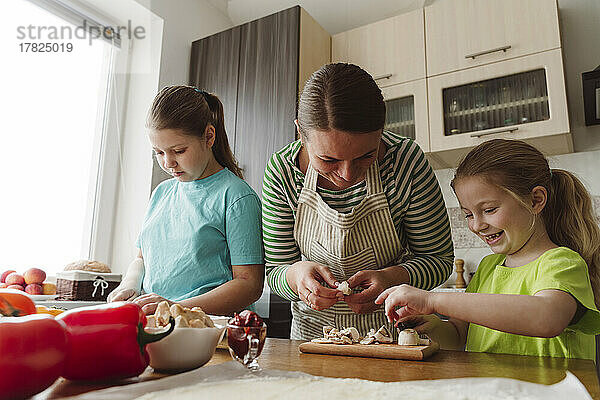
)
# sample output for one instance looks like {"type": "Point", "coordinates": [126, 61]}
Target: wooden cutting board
{"type": "Point", "coordinates": [392, 351]}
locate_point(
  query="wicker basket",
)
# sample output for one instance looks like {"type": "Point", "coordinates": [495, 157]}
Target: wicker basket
{"type": "Point", "coordinates": [85, 286]}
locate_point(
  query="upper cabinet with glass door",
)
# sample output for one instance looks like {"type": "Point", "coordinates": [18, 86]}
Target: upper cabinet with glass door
{"type": "Point", "coordinates": [467, 33]}
{"type": "Point", "coordinates": [523, 98]}
{"type": "Point", "coordinates": [391, 50]}
{"type": "Point", "coordinates": [406, 111]}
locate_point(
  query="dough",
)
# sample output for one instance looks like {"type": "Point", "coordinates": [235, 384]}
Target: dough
{"type": "Point", "coordinates": [320, 388]}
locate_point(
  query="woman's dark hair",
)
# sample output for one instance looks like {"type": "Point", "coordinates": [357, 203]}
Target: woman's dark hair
{"type": "Point", "coordinates": [190, 110]}
{"type": "Point", "coordinates": [518, 167]}
{"type": "Point", "coordinates": [343, 97]}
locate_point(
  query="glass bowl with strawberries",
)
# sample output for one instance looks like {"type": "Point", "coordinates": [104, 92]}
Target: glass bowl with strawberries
{"type": "Point", "coordinates": [246, 334]}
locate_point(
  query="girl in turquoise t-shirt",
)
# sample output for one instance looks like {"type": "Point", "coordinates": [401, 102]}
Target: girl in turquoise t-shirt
{"type": "Point", "coordinates": [538, 294]}
{"type": "Point", "coordinates": [200, 243]}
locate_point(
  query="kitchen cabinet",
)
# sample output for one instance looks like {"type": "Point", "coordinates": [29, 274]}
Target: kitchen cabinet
{"type": "Point", "coordinates": [214, 68]}
{"type": "Point", "coordinates": [406, 111]}
{"type": "Point", "coordinates": [391, 50]}
{"type": "Point", "coordinates": [467, 33]}
{"type": "Point", "coordinates": [522, 98]}
{"type": "Point", "coordinates": [257, 70]}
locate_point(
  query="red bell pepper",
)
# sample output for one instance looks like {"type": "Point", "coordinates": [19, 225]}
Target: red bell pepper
{"type": "Point", "coordinates": [32, 354]}
{"type": "Point", "coordinates": [14, 303]}
{"type": "Point", "coordinates": [107, 342]}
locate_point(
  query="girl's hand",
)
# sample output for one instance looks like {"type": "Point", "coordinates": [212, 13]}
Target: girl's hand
{"type": "Point", "coordinates": [373, 282]}
{"type": "Point", "coordinates": [404, 300]}
{"type": "Point", "coordinates": [149, 301]}
{"type": "Point", "coordinates": [305, 277]}
{"type": "Point", "coordinates": [122, 294]}
{"type": "Point", "coordinates": [422, 323]}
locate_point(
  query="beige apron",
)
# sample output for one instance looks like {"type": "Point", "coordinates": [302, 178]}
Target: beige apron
{"type": "Point", "coordinates": [364, 238]}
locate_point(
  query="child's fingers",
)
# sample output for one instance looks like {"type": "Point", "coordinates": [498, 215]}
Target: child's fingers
{"type": "Point", "coordinates": [419, 323]}
{"type": "Point", "coordinates": [384, 295]}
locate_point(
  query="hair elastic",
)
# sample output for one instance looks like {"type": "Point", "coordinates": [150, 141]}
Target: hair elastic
{"type": "Point", "coordinates": [202, 92]}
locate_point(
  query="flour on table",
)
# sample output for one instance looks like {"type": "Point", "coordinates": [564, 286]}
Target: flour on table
{"type": "Point", "coordinates": [319, 388]}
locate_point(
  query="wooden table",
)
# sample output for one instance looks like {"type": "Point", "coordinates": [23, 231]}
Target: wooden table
{"type": "Point", "coordinates": [283, 354]}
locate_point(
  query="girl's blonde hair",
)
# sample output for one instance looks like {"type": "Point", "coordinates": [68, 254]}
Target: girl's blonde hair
{"type": "Point", "coordinates": [191, 110]}
{"type": "Point", "coordinates": [568, 216]}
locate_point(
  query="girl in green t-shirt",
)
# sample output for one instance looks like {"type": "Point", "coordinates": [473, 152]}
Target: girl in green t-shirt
{"type": "Point", "coordinates": [538, 293]}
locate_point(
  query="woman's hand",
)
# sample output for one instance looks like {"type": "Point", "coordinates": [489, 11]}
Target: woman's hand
{"type": "Point", "coordinates": [373, 282]}
{"type": "Point", "coordinates": [122, 294]}
{"type": "Point", "coordinates": [404, 300]}
{"type": "Point", "coordinates": [305, 277]}
{"type": "Point", "coordinates": [149, 301]}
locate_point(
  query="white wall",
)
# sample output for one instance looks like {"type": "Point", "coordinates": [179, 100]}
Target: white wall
{"type": "Point", "coordinates": [580, 31]}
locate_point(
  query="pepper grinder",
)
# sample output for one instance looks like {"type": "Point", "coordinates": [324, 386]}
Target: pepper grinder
{"type": "Point", "coordinates": [460, 269]}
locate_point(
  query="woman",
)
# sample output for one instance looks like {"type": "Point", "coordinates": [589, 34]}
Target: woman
{"type": "Point", "coordinates": [200, 242]}
{"type": "Point", "coordinates": [349, 202]}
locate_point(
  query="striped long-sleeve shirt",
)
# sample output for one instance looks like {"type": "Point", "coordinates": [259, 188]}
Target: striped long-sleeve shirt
{"type": "Point", "coordinates": [415, 200]}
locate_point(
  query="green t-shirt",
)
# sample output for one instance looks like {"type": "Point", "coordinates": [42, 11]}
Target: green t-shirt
{"type": "Point", "coordinates": [560, 268]}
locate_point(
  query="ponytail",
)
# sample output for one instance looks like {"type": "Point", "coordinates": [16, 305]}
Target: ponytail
{"type": "Point", "coordinates": [191, 110]}
{"type": "Point", "coordinates": [518, 167]}
{"type": "Point", "coordinates": [221, 149]}
{"type": "Point", "coordinates": [570, 222]}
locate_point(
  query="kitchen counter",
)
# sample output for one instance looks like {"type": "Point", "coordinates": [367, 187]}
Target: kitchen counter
{"type": "Point", "coordinates": [283, 354]}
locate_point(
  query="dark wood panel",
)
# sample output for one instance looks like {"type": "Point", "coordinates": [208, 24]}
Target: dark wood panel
{"type": "Point", "coordinates": [267, 90]}
{"type": "Point", "coordinates": [214, 68]}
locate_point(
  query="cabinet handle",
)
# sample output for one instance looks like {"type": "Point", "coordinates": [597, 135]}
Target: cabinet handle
{"type": "Point", "coordinates": [493, 131]}
{"type": "Point", "coordinates": [481, 53]}
{"type": "Point", "coordinates": [386, 76]}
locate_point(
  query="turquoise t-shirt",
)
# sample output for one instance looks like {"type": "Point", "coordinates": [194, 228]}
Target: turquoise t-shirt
{"type": "Point", "coordinates": [561, 269]}
{"type": "Point", "coordinates": [195, 231]}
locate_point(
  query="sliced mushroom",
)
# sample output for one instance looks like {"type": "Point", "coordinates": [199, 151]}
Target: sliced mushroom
{"type": "Point", "coordinates": [162, 313]}
{"type": "Point", "coordinates": [368, 340]}
{"type": "Point", "coordinates": [383, 335]}
{"type": "Point", "coordinates": [344, 287]}
{"type": "Point", "coordinates": [327, 329]}
{"type": "Point", "coordinates": [321, 340]}
{"type": "Point", "coordinates": [151, 321]}
{"type": "Point", "coordinates": [181, 322]}
{"type": "Point", "coordinates": [352, 333]}
{"type": "Point", "coordinates": [197, 323]}
{"type": "Point", "coordinates": [346, 340]}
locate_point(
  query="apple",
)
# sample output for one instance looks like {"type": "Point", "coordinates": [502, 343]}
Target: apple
{"type": "Point", "coordinates": [16, 287]}
{"type": "Point", "coordinates": [15, 279]}
{"type": "Point", "coordinates": [5, 274]}
{"type": "Point", "coordinates": [33, 288]}
{"type": "Point", "coordinates": [34, 275]}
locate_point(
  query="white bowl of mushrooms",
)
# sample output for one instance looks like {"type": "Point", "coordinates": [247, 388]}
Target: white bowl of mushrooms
{"type": "Point", "coordinates": [191, 344]}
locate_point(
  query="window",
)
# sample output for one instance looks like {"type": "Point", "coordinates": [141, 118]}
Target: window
{"type": "Point", "coordinates": [53, 127]}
